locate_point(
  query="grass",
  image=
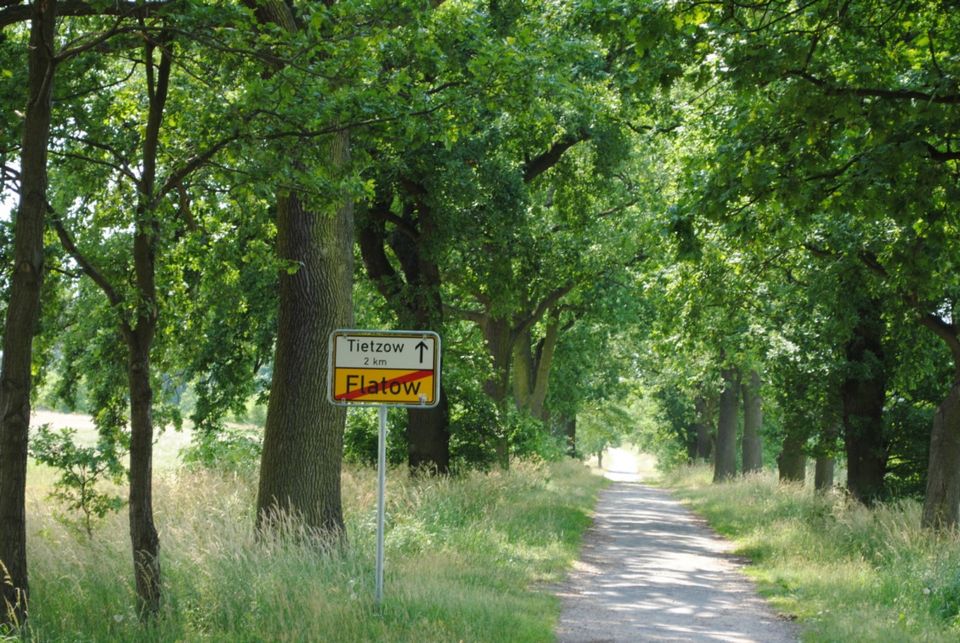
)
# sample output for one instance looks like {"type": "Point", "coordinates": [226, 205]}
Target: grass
{"type": "Point", "coordinates": [848, 573]}
{"type": "Point", "coordinates": [468, 558]}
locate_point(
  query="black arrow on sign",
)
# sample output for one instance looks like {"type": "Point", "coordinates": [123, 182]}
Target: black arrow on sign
{"type": "Point", "coordinates": [422, 346]}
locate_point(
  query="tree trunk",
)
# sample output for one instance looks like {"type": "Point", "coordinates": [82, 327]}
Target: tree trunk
{"type": "Point", "coordinates": [792, 461]}
{"type": "Point", "coordinates": [523, 371]}
{"type": "Point", "coordinates": [823, 475]}
{"type": "Point", "coordinates": [703, 428]}
{"type": "Point", "coordinates": [863, 395]}
{"type": "Point", "coordinates": [544, 361]}
{"type": "Point", "coordinates": [417, 302]}
{"type": "Point", "coordinates": [941, 504]}
{"type": "Point", "coordinates": [500, 345]}
{"type": "Point", "coordinates": [570, 433]}
{"type": "Point", "coordinates": [752, 422]}
{"type": "Point", "coordinates": [428, 437]}
{"type": "Point", "coordinates": [826, 462]}
{"type": "Point", "coordinates": [725, 466]}
{"type": "Point", "coordinates": [143, 534]}
{"type": "Point", "coordinates": [531, 368]}
{"type": "Point", "coordinates": [23, 311]}
{"type": "Point", "coordinates": [303, 436]}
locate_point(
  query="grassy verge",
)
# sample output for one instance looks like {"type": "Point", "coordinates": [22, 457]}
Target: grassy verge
{"type": "Point", "coordinates": [847, 572]}
{"type": "Point", "coordinates": [466, 559]}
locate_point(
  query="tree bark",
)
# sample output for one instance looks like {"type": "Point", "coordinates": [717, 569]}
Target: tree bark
{"type": "Point", "coordinates": [23, 312]}
{"type": "Point", "coordinates": [823, 475]}
{"type": "Point", "coordinates": [752, 423]}
{"type": "Point", "coordinates": [941, 504]}
{"type": "Point", "coordinates": [863, 395]}
{"type": "Point", "coordinates": [704, 445]}
{"type": "Point", "coordinates": [143, 534]}
{"type": "Point", "coordinates": [531, 372]}
{"type": "Point", "coordinates": [792, 461]}
{"type": "Point", "coordinates": [826, 462]}
{"type": "Point", "coordinates": [570, 434]}
{"type": "Point", "coordinates": [725, 466]}
{"type": "Point", "coordinates": [428, 437]}
{"type": "Point", "coordinates": [303, 436]}
{"type": "Point", "coordinates": [500, 342]}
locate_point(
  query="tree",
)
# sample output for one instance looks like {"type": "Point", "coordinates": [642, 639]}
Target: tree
{"type": "Point", "coordinates": [752, 423]}
{"type": "Point", "coordinates": [23, 311]}
{"type": "Point", "coordinates": [725, 462]}
{"type": "Point", "coordinates": [303, 438]}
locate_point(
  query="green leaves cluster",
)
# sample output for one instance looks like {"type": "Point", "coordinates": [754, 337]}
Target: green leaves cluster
{"type": "Point", "coordinates": [83, 472]}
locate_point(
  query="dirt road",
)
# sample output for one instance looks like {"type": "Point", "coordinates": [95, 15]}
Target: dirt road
{"type": "Point", "coordinates": [651, 571]}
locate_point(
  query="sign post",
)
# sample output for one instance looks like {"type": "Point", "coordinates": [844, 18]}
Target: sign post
{"type": "Point", "coordinates": [383, 369]}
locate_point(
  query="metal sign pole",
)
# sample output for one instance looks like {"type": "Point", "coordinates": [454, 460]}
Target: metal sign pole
{"type": "Point", "coordinates": [381, 487]}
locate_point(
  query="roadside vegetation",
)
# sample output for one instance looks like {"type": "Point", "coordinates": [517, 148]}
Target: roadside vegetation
{"type": "Point", "coordinates": [847, 572]}
{"type": "Point", "coordinates": [469, 557]}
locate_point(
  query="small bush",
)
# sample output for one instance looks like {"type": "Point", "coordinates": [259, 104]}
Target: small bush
{"type": "Point", "coordinates": [228, 449]}
{"type": "Point", "coordinates": [81, 473]}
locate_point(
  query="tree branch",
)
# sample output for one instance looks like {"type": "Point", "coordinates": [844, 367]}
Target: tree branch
{"type": "Point", "coordinates": [545, 304]}
{"type": "Point", "coordinates": [477, 316]}
{"type": "Point", "coordinates": [539, 164]}
{"type": "Point", "coordinates": [874, 92]}
{"type": "Point", "coordinates": [21, 12]}
{"type": "Point", "coordinates": [85, 264]}
{"type": "Point", "coordinates": [941, 157]}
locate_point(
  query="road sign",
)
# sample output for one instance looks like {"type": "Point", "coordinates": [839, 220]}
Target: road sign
{"type": "Point", "coordinates": [395, 368]}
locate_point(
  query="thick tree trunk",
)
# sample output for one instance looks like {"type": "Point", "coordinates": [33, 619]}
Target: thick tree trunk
{"type": "Point", "coordinates": [303, 437]}
{"type": "Point", "coordinates": [792, 461]}
{"type": "Point", "coordinates": [752, 422]}
{"type": "Point", "coordinates": [143, 534]}
{"type": "Point", "coordinates": [863, 395]}
{"type": "Point", "coordinates": [531, 368]}
{"type": "Point", "coordinates": [704, 430]}
{"type": "Point", "coordinates": [823, 475]}
{"type": "Point", "coordinates": [428, 437]}
{"type": "Point", "coordinates": [725, 465]}
{"type": "Point", "coordinates": [826, 461]}
{"type": "Point", "coordinates": [23, 311]}
{"type": "Point", "coordinates": [941, 504]}
{"type": "Point", "coordinates": [523, 371]}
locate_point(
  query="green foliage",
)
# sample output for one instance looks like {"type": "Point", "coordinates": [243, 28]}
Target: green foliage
{"type": "Point", "coordinates": [361, 436]}
{"type": "Point", "coordinates": [229, 449]}
{"type": "Point", "coordinates": [81, 472]}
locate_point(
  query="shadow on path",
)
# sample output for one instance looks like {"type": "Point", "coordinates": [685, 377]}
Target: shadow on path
{"type": "Point", "coordinates": [650, 571]}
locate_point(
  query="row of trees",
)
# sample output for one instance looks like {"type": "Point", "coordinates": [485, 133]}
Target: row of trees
{"type": "Point", "coordinates": [728, 203]}
{"type": "Point", "coordinates": [193, 179]}
{"type": "Point", "coordinates": [816, 219]}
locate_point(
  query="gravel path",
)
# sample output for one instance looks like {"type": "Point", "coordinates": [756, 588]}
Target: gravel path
{"type": "Point", "coordinates": [652, 571]}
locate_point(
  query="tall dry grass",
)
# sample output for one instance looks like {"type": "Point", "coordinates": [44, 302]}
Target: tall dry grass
{"type": "Point", "coordinates": [466, 559]}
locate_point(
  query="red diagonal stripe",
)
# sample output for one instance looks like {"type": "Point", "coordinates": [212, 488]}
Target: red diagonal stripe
{"type": "Point", "coordinates": [409, 377]}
